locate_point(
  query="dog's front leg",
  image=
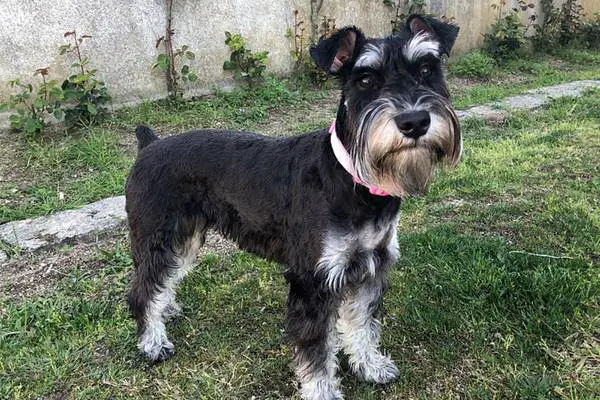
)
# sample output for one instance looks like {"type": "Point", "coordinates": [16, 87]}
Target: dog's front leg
{"type": "Point", "coordinates": [311, 331]}
{"type": "Point", "coordinates": [359, 331]}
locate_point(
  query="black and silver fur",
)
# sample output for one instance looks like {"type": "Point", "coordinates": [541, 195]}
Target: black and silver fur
{"type": "Point", "coordinates": [289, 200]}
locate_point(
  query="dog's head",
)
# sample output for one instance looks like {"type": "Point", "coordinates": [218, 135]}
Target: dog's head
{"type": "Point", "coordinates": [395, 118]}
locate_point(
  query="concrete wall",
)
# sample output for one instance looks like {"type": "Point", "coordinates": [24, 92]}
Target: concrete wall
{"type": "Point", "coordinates": [124, 35]}
{"type": "Point", "coordinates": [590, 7]}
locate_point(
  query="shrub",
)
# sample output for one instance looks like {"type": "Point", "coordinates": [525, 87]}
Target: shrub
{"type": "Point", "coordinates": [560, 26]}
{"type": "Point", "coordinates": [243, 62]}
{"type": "Point", "coordinates": [473, 65]}
{"type": "Point", "coordinates": [33, 107]}
{"type": "Point", "coordinates": [506, 38]}
{"type": "Point", "coordinates": [174, 62]}
{"type": "Point", "coordinates": [80, 99]}
{"type": "Point", "coordinates": [590, 33]}
{"type": "Point", "coordinates": [85, 96]}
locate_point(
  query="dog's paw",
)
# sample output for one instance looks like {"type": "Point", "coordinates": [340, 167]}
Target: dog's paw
{"type": "Point", "coordinates": [155, 346]}
{"type": "Point", "coordinates": [159, 353]}
{"type": "Point", "coordinates": [321, 390]}
{"type": "Point", "coordinates": [379, 369]}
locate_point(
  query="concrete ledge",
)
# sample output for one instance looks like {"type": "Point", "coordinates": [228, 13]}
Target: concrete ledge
{"type": "Point", "coordinates": [54, 229]}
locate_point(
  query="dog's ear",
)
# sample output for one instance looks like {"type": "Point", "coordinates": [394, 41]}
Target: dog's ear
{"type": "Point", "coordinates": [445, 33]}
{"type": "Point", "coordinates": [333, 53]}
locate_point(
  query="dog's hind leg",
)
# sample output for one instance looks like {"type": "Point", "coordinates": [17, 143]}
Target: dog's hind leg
{"type": "Point", "coordinates": [161, 261]}
{"type": "Point", "coordinates": [359, 331]}
{"type": "Point", "coordinates": [185, 259]}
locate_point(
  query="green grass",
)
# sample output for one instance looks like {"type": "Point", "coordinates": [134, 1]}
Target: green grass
{"type": "Point", "coordinates": [516, 76]}
{"type": "Point", "coordinates": [69, 172]}
{"type": "Point", "coordinates": [496, 295]}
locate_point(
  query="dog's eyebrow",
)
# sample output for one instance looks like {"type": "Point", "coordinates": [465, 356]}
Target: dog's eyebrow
{"type": "Point", "coordinates": [371, 57]}
{"type": "Point", "coordinates": [420, 45]}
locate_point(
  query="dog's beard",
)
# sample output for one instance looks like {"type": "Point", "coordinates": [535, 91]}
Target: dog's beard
{"type": "Point", "coordinates": [396, 163]}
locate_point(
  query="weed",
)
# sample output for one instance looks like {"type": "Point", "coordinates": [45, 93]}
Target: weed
{"type": "Point", "coordinates": [474, 65]}
{"type": "Point", "coordinates": [244, 64]}
{"type": "Point", "coordinates": [506, 38]}
{"type": "Point", "coordinates": [85, 97]}
{"type": "Point", "coordinates": [34, 107]}
{"type": "Point", "coordinates": [174, 62]}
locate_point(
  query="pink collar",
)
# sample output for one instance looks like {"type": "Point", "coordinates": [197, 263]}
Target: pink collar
{"type": "Point", "coordinates": [344, 158]}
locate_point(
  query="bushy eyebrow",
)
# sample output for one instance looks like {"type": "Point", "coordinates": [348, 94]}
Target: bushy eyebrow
{"type": "Point", "coordinates": [419, 46]}
{"type": "Point", "coordinates": [371, 57]}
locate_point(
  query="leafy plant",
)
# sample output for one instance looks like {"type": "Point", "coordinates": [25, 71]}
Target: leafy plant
{"type": "Point", "coordinates": [33, 107]}
{"type": "Point", "coordinates": [174, 62]}
{"type": "Point", "coordinates": [169, 63]}
{"type": "Point", "coordinates": [507, 36]}
{"type": "Point", "coordinates": [84, 95]}
{"type": "Point", "coordinates": [243, 62]}
{"type": "Point", "coordinates": [474, 65]}
{"type": "Point", "coordinates": [560, 26]}
{"type": "Point", "coordinates": [590, 33]}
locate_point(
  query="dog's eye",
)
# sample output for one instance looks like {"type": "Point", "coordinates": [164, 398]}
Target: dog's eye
{"type": "Point", "coordinates": [366, 82]}
{"type": "Point", "coordinates": [425, 71]}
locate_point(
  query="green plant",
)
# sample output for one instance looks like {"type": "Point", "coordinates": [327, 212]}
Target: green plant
{"type": "Point", "coordinates": [507, 35]}
{"type": "Point", "coordinates": [33, 107]}
{"type": "Point", "coordinates": [571, 13]}
{"type": "Point", "coordinates": [243, 62]}
{"type": "Point", "coordinates": [590, 33]}
{"type": "Point", "coordinates": [560, 26]}
{"type": "Point", "coordinates": [174, 62]}
{"type": "Point", "coordinates": [168, 63]}
{"type": "Point", "coordinates": [473, 65]}
{"type": "Point", "coordinates": [85, 96]}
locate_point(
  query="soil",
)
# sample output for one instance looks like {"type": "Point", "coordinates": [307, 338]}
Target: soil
{"type": "Point", "coordinates": [26, 275]}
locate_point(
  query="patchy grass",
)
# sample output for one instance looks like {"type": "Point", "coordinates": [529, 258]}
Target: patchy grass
{"type": "Point", "coordinates": [66, 171]}
{"type": "Point", "coordinates": [516, 76]}
{"type": "Point", "coordinates": [496, 295]}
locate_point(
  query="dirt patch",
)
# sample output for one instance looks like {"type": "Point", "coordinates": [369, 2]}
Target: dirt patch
{"type": "Point", "coordinates": [280, 123]}
{"type": "Point", "coordinates": [28, 274]}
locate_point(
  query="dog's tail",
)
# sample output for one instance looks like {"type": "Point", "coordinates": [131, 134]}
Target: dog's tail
{"type": "Point", "coordinates": [145, 136]}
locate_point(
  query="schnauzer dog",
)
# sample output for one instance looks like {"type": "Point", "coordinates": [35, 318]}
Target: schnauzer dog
{"type": "Point", "coordinates": [325, 204]}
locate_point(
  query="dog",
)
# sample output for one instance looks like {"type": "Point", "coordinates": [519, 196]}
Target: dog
{"type": "Point", "coordinates": [325, 205]}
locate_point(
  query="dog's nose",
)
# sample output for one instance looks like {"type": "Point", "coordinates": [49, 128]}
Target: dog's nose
{"type": "Point", "coordinates": [413, 123]}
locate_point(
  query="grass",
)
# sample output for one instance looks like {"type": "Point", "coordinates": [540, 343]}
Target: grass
{"type": "Point", "coordinates": [516, 76]}
{"type": "Point", "coordinates": [497, 294]}
{"type": "Point", "coordinates": [67, 171]}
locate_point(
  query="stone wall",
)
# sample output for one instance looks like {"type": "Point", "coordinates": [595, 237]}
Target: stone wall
{"type": "Point", "coordinates": [124, 35]}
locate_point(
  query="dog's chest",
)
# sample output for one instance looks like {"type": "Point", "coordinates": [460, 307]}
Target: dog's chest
{"type": "Point", "coordinates": [351, 256]}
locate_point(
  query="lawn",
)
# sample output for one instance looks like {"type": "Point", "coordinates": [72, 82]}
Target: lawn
{"type": "Point", "coordinates": [496, 295]}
